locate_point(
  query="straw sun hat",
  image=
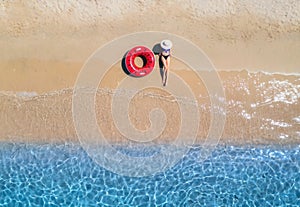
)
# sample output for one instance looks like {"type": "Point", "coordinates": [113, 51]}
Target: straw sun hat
{"type": "Point", "coordinates": [166, 44]}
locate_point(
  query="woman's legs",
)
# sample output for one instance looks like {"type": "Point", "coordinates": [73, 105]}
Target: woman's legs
{"type": "Point", "coordinates": [166, 64]}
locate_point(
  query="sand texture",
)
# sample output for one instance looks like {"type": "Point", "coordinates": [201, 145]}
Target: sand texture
{"type": "Point", "coordinates": [254, 45]}
{"type": "Point", "coordinates": [259, 108]}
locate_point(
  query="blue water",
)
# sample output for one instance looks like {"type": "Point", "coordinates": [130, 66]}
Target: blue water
{"type": "Point", "coordinates": [64, 175]}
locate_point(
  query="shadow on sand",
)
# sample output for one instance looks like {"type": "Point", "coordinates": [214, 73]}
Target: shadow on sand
{"type": "Point", "coordinates": [157, 50]}
{"type": "Point", "coordinates": [123, 64]}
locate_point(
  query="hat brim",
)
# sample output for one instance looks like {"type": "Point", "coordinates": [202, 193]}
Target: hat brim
{"type": "Point", "coordinates": [166, 47]}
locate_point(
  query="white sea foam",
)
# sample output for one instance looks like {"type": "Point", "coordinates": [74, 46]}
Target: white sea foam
{"type": "Point", "coordinates": [275, 73]}
{"type": "Point", "coordinates": [25, 94]}
{"type": "Point", "coordinates": [253, 105]}
{"type": "Point", "coordinates": [297, 119]}
{"type": "Point", "coordinates": [246, 115]}
{"type": "Point", "coordinates": [288, 92]}
{"type": "Point", "coordinates": [277, 91]}
{"type": "Point", "coordinates": [278, 123]}
{"type": "Point", "coordinates": [20, 94]}
{"type": "Point", "coordinates": [283, 136]}
{"type": "Point", "coordinates": [233, 103]}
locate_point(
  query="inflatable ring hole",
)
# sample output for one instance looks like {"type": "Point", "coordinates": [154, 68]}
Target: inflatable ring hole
{"type": "Point", "coordinates": [140, 61]}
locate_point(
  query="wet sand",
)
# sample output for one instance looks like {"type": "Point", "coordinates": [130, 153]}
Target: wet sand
{"type": "Point", "coordinates": [260, 109]}
{"type": "Point", "coordinates": [45, 44]}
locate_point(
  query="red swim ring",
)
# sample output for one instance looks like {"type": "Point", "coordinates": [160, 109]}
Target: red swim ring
{"type": "Point", "coordinates": [148, 61]}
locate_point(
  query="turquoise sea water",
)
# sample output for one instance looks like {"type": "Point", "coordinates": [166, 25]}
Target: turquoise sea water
{"type": "Point", "coordinates": [64, 175]}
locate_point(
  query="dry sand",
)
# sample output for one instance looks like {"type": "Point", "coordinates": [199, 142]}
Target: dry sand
{"type": "Point", "coordinates": [44, 45]}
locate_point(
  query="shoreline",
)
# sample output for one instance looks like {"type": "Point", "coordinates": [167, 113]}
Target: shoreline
{"type": "Point", "coordinates": [254, 46]}
{"type": "Point", "coordinates": [129, 144]}
{"type": "Point", "coordinates": [250, 117]}
{"type": "Point", "coordinates": [32, 94]}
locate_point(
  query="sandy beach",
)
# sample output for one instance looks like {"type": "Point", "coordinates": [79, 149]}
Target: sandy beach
{"type": "Point", "coordinates": [254, 45]}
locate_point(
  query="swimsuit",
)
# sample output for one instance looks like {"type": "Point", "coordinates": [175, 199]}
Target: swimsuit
{"type": "Point", "coordinates": [166, 56]}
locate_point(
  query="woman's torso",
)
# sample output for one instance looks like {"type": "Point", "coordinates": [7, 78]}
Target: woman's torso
{"type": "Point", "coordinates": [165, 52]}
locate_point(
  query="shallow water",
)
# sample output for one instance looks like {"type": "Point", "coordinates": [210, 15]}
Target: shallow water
{"type": "Point", "coordinates": [64, 175]}
{"type": "Point", "coordinates": [262, 122]}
